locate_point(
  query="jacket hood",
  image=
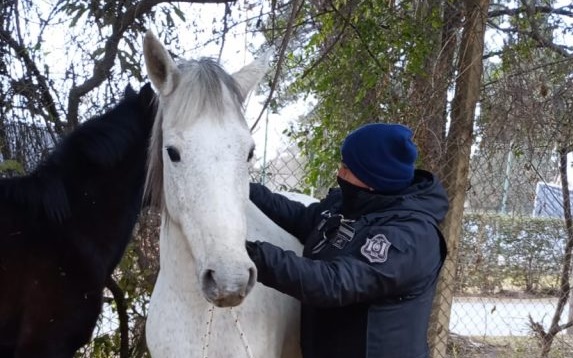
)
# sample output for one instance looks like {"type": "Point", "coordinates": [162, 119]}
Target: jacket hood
{"type": "Point", "coordinates": [425, 195]}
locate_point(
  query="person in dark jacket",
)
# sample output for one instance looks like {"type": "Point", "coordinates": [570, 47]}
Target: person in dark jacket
{"type": "Point", "coordinates": [372, 251]}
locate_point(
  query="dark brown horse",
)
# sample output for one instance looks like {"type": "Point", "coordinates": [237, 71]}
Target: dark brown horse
{"type": "Point", "coordinates": [64, 228]}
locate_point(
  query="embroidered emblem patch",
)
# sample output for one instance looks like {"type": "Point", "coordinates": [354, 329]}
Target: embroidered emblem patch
{"type": "Point", "coordinates": [376, 248]}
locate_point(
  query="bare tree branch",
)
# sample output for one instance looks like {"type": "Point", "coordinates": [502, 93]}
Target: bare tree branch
{"type": "Point", "coordinates": [296, 7]}
{"type": "Point", "coordinates": [121, 305]}
{"type": "Point", "coordinates": [564, 11]}
{"type": "Point", "coordinates": [43, 89]}
{"type": "Point", "coordinates": [103, 67]}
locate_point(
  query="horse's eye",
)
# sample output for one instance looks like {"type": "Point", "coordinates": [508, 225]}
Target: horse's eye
{"type": "Point", "coordinates": [251, 154]}
{"type": "Point", "coordinates": [173, 154]}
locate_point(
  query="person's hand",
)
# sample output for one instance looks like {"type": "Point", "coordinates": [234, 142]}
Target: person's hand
{"type": "Point", "coordinates": [252, 250]}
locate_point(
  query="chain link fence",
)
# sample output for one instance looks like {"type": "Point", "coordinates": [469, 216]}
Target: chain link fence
{"type": "Point", "coordinates": [508, 274]}
{"type": "Point", "coordinates": [511, 251]}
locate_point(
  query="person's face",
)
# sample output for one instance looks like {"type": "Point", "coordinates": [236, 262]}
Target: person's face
{"type": "Point", "coordinates": [347, 175]}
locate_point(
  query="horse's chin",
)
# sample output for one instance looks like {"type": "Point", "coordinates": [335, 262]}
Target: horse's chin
{"type": "Point", "coordinates": [226, 301]}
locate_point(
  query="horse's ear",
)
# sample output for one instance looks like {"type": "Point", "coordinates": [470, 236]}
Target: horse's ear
{"type": "Point", "coordinates": [146, 101]}
{"type": "Point", "coordinates": [129, 92]}
{"type": "Point", "coordinates": [161, 68]}
{"type": "Point", "coordinates": [250, 75]}
{"type": "Point", "coordinates": [146, 94]}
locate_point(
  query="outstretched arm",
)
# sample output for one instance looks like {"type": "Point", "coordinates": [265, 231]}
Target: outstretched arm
{"type": "Point", "coordinates": [347, 279]}
{"type": "Point", "coordinates": [292, 216]}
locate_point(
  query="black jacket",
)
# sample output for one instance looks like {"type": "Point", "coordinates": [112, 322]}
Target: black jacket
{"type": "Point", "coordinates": [367, 285]}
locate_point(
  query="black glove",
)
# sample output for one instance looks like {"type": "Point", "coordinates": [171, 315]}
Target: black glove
{"type": "Point", "coordinates": [253, 250]}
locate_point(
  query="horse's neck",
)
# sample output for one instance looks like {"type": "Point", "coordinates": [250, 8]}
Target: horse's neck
{"type": "Point", "coordinates": [266, 316]}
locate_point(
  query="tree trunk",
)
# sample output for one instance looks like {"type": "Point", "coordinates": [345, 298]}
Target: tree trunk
{"type": "Point", "coordinates": [548, 337]}
{"type": "Point", "coordinates": [430, 89]}
{"type": "Point", "coordinates": [455, 166]}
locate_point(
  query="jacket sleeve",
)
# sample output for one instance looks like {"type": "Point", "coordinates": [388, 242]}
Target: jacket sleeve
{"type": "Point", "coordinates": [346, 279]}
{"type": "Point", "coordinates": [291, 215]}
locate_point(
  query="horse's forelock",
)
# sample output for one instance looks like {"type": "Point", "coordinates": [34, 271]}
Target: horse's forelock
{"type": "Point", "coordinates": [201, 89]}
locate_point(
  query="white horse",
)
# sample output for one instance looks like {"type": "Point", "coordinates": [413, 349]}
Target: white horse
{"type": "Point", "coordinates": [198, 172]}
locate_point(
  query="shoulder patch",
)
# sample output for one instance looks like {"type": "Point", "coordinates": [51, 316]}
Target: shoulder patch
{"type": "Point", "coordinates": [376, 248]}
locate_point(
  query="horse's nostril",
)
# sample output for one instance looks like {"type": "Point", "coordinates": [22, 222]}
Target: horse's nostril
{"type": "Point", "coordinates": [252, 277]}
{"type": "Point", "coordinates": [252, 274]}
{"type": "Point", "coordinates": [210, 276]}
{"type": "Point", "coordinates": [228, 293]}
{"type": "Point", "coordinates": [208, 282]}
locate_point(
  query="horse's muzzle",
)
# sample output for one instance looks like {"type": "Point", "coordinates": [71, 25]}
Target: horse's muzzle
{"type": "Point", "coordinates": [227, 291]}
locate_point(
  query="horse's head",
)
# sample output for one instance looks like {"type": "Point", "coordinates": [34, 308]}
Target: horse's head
{"type": "Point", "coordinates": [198, 169]}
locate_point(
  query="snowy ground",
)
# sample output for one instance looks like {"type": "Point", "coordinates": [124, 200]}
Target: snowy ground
{"type": "Point", "coordinates": [500, 317]}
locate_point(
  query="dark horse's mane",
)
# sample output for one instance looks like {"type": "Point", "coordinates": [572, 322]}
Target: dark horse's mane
{"type": "Point", "coordinates": [65, 226]}
{"type": "Point", "coordinates": [97, 143]}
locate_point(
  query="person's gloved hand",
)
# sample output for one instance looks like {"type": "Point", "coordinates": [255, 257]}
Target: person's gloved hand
{"type": "Point", "coordinates": [253, 250]}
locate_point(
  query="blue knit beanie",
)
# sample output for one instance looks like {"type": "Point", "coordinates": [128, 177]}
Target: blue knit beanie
{"type": "Point", "coordinates": [381, 155]}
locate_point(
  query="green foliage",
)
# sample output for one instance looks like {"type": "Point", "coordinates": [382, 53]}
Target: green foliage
{"type": "Point", "coordinates": [11, 166]}
{"type": "Point", "coordinates": [365, 56]}
{"type": "Point", "coordinates": [500, 253]}
{"type": "Point", "coordinates": [103, 346]}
